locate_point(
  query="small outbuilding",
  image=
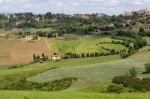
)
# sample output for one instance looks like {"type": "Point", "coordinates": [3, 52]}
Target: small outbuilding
{"type": "Point", "coordinates": [55, 57]}
{"type": "Point", "coordinates": [28, 38]}
{"type": "Point", "coordinates": [2, 35]}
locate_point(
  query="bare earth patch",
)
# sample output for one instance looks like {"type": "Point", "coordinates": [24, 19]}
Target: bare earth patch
{"type": "Point", "coordinates": [18, 51]}
{"type": "Point", "coordinates": [80, 82]}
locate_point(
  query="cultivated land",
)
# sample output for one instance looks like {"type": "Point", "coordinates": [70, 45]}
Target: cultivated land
{"type": "Point", "coordinates": [96, 49]}
{"type": "Point", "coordinates": [17, 51]}
{"type": "Point", "coordinates": [94, 74]}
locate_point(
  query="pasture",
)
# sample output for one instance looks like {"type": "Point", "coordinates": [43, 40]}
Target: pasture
{"type": "Point", "coordinates": [40, 67]}
{"type": "Point", "coordinates": [9, 74]}
{"type": "Point", "coordinates": [75, 95]}
{"type": "Point", "coordinates": [83, 45]}
{"type": "Point", "coordinates": [98, 72]}
{"type": "Point", "coordinates": [148, 40]}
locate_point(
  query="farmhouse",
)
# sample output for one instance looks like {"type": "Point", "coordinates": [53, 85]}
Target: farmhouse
{"type": "Point", "coordinates": [40, 18]}
{"type": "Point", "coordinates": [20, 22]}
{"type": "Point", "coordinates": [2, 35]}
{"type": "Point", "coordinates": [55, 57]}
{"type": "Point", "coordinates": [28, 38]}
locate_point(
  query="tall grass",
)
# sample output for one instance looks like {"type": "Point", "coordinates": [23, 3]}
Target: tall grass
{"type": "Point", "coordinates": [60, 95]}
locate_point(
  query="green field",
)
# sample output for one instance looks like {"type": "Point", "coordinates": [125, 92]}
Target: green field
{"type": "Point", "coordinates": [93, 74]}
{"type": "Point", "coordinates": [148, 40]}
{"type": "Point", "coordinates": [83, 45]}
{"type": "Point", "coordinates": [60, 95]}
{"type": "Point", "coordinates": [39, 67]}
{"type": "Point", "coordinates": [98, 72]}
{"type": "Point", "coordinates": [145, 48]}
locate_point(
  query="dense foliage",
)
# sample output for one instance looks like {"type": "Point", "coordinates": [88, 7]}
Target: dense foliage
{"type": "Point", "coordinates": [147, 68]}
{"type": "Point", "coordinates": [131, 81]}
{"type": "Point", "coordinates": [57, 85]}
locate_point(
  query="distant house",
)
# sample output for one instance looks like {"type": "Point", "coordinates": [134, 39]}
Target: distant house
{"type": "Point", "coordinates": [28, 38]}
{"type": "Point", "coordinates": [40, 18]}
{"type": "Point", "coordinates": [111, 25]}
{"type": "Point", "coordinates": [20, 22]}
{"type": "Point", "coordinates": [2, 35]}
{"type": "Point", "coordinates": [55, 57]}
{"type": "Point", "coordinates": [127, 13]}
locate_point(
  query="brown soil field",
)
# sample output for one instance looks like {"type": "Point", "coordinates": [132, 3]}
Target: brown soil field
{"type": "Point", "coordinates": [19, 51]}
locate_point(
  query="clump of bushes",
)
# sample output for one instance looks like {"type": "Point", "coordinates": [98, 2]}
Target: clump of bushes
{"type": "Point", "coordinates": [56, 85]}
{"type": "Point", "coordinates": [130, 81]}
{"type": "Point", "coordinates": [147, 68]}
{"type": "Point", "coordinates": [117, 88]}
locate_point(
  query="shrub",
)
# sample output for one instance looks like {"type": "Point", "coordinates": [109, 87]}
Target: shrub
{"type": "Point", "coordinates": [147, 68]}
{"type": "Point", "coordinates": [133, 82]}
{"type": "Point", "coordinates": [132, 72]}
{"type": "Point", "coordinates": [57, 85]}
{"type": "Point", "coordinates": [117, 88]}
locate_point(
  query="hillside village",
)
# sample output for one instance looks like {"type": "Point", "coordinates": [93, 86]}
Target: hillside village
{"type": "Point", "coordinates": [128, 20]}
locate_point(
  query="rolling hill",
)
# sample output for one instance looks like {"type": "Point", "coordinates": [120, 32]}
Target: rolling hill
{"type": "Point", "coordinates": [96, 73]}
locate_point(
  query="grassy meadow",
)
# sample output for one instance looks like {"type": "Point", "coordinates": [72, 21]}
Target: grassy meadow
{"type": "Point", "coordinates": [75, 95]}
{"type": "Point", "coordinates": [83, 45]}
{"type": "Point", "coordinates": [148, 40]}
{"type": "Point", "coordinates": [93, 74]}
{"type": "Point", "coordinates": [145, 48]}
{"type": "Point", "coordinates": [98, 72]}
{"type": "Point", "coordinates": [40, 67]}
